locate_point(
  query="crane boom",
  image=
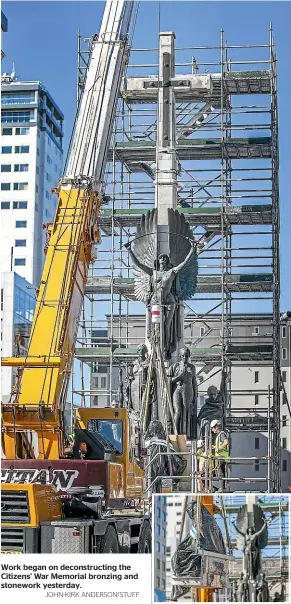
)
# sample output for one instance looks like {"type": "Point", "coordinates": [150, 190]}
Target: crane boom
{"type": "Point", "coordinates": [43, 375]}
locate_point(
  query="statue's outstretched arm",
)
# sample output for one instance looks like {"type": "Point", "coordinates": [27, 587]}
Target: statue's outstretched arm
{"type": "Point", "coordinates": [136, 261]}
{"type": "Point", "coordinates": [260, 531]}
{"type": "Point", "coordinates": [180, 266]}
{"type": "Point", "coordinates": [237, 529]}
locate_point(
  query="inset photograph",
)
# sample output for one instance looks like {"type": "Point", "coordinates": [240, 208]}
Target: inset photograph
{"type": "Point", "coordinates": [221, 548]}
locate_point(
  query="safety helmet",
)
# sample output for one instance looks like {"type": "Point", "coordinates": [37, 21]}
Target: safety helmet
{"type": "Point", "coordinates": [215, 424]}
{"type": "Point", "coordinates": [200, 444]}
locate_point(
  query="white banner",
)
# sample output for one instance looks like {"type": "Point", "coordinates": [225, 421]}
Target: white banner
{"type": "Point", "coordinates": [108, 578]}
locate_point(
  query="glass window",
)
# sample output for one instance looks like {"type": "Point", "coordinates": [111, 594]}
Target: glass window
{"type": "Point", "coordinates": [256, 399]}
{"type": "Point", "coordinates": [5, 186]}
{"type": "Point", "coordinates": [20, 186]}
{"type": "Point", "coordinates": [103, 382]}
{"type": "Point", "coordinates": [284, 354]}
{"type": "Point", "coordinates": [284, 465]}
{"type": "Point", "coordinates": [6, 149]}
{"type": "Point", "coordinates": [20, 242]}
{"type": "Point", "coordinates": [6, 168]}
{"type": "Point", "coordinates": [202, 331]}
{"type": "Point", "coordinates": [15, 98]}
{"type": "Point", "coordinates": [22, 149]}
{"type": "Point", "coordinates": [7, 131]}
{"type": "Point", "coordinates": [20, 224]}
{"type": "Point", "coordinates": [284, 398]}
{"type": "Point", "coordinates": [5, 205]}
{"type": "Point", "coordinates": [256, 377]}
{"type": "Point", "coordinates": [20, 167]}
{"type": "Point", "coordinates": [158, 548]}
{"type": "Point", "coordinates": [17, 116]}
{"type": "Point", "coordinates": [19, 205]}
{"type": "Point", "coordinates": [2, 299]}
{"type": "Point", "coordinates": [284, 442]}
{"type": "Point", "coordinates": [158, 564]}
{"type": "Point", "coordinates": [256, 331]}
{"type": "Point", "coordinates": [284, 332]}
{"type": "Point", "coordinates": [22, 131]}
{"type": "Point", "coordinates": [284, 376]}
{"type": "Point", "coordinates": [37, 169]}
{"type": "Point", "coordinates": [110, 429]}
{"type": "Point", "coordinates": [257, 466]}
{"type": "Point", "coordinates": [284, 421]}
{"type": "Point", "coordinates": [257, 443]}
{"type": "Point", "coordinates": [19, 262]}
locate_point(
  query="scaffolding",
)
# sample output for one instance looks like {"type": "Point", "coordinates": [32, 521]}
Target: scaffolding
{"type": "Point", "coordinates": [228, 190]}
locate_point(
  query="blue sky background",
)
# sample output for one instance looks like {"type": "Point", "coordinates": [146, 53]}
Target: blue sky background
{"type": "Point", "coordinates": [42, 41]}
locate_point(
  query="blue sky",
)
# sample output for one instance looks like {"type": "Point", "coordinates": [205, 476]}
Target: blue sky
{"type": "Point", "coordinates": [42, 41]}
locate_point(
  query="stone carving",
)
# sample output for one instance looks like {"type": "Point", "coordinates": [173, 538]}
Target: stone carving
{"type": "Point", "coordinates": [136, 379]}
{"type": "Point", "coordinates": [251, 550]}
{"type": "Point", "coordinates": [165, 279]}
{"type": "Point", "coordinates": [184, 386]}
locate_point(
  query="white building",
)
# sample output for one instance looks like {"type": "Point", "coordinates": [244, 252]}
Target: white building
{"type": "Point", "coordinates": [17, 308]}
{"type": "Point", "coordinates": [31, 164]}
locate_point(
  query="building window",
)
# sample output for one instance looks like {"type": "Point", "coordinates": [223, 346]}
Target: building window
{"type": "Point", "coordinates": [284, 398]}
{"type": "Point", "coordinates": [20, 242]}
{"type": "Point", "coordinates": [6, 150]}
{"type": "Point", "coordinates": [284, 442]}
{"type": "Point", "coordinates": [163, 566]}
{"type": "Point", "coordinates": [202, 331]}
{"type": "Point", "coordinates": [2, 299]}
{"type": "Point", "coordinates": [257, 466]}
{"type": "Point", "coordinates": [20, 224]}
{"type": "Point", "coordinates": [256, 331]}
{"type": "Point", "coordinates": [284, 376]}
{"type": "Point", "coordinates": [20, 186]}
{"type": "Point", "coordinates": [5, 186]}
{"type": "Point", "coordinates": [17, 116]}
{"type": "Point", "coordinates": [95, 401]}
{"type": "Point", "coordinates": [37, 169]}
{"type": "Point", "coordinates": [257, 443]}
{"type": "Point", "coordinates": [284, 465]}
{"type": "Point", "coordinates": [6, 168]}
{"type": "Point", "coordinates": [158, 582]}
{"type": "Point", "coordinates": [163, 584]}
{"type": "Point", "coordinates": [158, 564]}
{"type": "Point", "coordinates": [284, 331]}
{"type": "Point", "coordinates": [17, 98]}
{"type": "Point", "coordinates": [20, 167]}
{"type": "Point", "coordinates": [256, 399]}
{"type": "Point", "coordinates": [36, 188]}
{"type": "Point", "coordinates": [256, 377]}
{"type": "Point", "coordinates": [103, 382]}
{"type": "Point", "coordinates": [37, 151]}
{"type": "Point", "coordinates": [7, 131]}
{"type": "Point", "coordinates": [19, 262]}
{"type": "Point", "coordinates": [5, 205]}
{"type": "Point", "coordinates": [22, 149]}
{"type": "Point", "coordinates": [158, 547]}
{"type": "Point", "coordinates": [284, 421]}
{"type": "Point", "coordinates": [284, 354]}
{"type": "Point", "coordinates": [164, 532]}
{"type": "Point", "coordinates": [22, 131]}
{"type": "Point", "coordinates": [19, 205]}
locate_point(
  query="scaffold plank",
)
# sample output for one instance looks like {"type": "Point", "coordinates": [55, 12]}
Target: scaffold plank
{"type": "Point", "coordinates": [204, 216]}
{"type": "Point", "coordinates": [242, 353]}
{"type": "Point", "coordinates": [131, 152]}
{"type": "Point", "coordinates": [233, 283]}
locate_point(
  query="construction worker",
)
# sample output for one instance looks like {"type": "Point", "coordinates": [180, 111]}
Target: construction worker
{"type": "Point", "coordinates": [201, 464]}
{"type": "Point", "coordinates": [221, 451]}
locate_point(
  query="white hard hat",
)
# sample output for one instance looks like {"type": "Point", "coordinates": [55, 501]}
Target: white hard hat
{"type": "Point", "coordinates": [200, 444]}
{"type": "Point", "coordinates": [215, 422]}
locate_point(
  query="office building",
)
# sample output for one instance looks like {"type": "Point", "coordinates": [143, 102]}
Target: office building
{"type": "Point", "coordinates": [31, 164]}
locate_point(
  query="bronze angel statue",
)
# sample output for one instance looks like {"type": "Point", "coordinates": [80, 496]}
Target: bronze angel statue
{"type": "Point", "coordinates": [165, 279]}
{"type": "Point", "coordinates": [251, 539]}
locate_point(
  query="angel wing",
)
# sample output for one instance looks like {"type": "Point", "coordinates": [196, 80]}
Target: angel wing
{"type": "Point", "coordinates": [259, 519]}
{"type": "Point", "coordinates": [179, 235]}
{"type": "Point", "coordinates": [242, 524]}
{"type": "Point", "coordinates": [144, 248]}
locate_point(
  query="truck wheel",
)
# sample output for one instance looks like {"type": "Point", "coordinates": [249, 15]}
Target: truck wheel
{"type": "Point", "coordinates": [109, 542]}
{"type": "Point", "coordinates": [145, 539]}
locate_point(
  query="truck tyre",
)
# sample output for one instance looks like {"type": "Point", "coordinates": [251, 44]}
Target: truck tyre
{"type": "Point", "coordinates": [109, 541]}
{"type": "Point", "coordinates": [145, 539]}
